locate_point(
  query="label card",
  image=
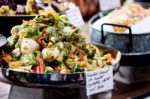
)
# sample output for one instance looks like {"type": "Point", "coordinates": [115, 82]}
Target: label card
{"type": "Point", "coordinates": [100, 80]}
{"type": "Point", "coordinates": [109, 4]}
{"type": "Point", "coordinates": [75, 17]}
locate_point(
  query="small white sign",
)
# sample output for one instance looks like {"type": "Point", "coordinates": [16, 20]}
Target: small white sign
{"type": "Point", "coordinates": [75, 17]}
{"type": "Point", "coordinates": [109, 4]}
{"type": "Point", "coordinates": [99, 80]}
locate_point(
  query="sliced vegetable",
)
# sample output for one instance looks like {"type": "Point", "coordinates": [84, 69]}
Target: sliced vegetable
{"type": "Point", "coordinates": [16, 52]}
{"type": "Point", "coordinates": [83, 63]}
{"type": "Point", "coordinates": [81, 56]}
{"type": "Point", "coordinates": [36, 69]}
{"type": "Point", "coordinates": [41, 63]}
{"type": "Point", "coordinates": [109, 59]}
{"type": "Point", "coordinates": [29, 59]}
{"type": "Point", "coordinates": [16, 64]}
{"type": "Point", "coordinates": [71, 55]}
{"type": "Point", "coordinates": [6, 57]}
{"type": "Point", "coordinates": [29, 45]}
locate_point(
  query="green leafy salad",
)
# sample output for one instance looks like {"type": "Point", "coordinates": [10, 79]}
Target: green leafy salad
{"type": "Point", "coordinates": [50, 44]}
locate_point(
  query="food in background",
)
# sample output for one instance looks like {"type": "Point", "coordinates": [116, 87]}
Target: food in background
{"type": "Point", "coordinates": [50, 44]}
{"type": "Point", "coordinates": [128, 15]}
{"type": "Point", "coordinates": [5, 10]}
{"type": "Point", "coordinates": [33, 7]}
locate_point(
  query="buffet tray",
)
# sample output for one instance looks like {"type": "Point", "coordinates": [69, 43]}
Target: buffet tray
{"type": "Point", "coordinates": [55, 80]}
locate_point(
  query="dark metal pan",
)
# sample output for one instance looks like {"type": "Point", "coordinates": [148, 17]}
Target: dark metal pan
{"type": "Point", "coordinates": [135, 48]}
{"type": "Point", "coordinates": [55, 80]}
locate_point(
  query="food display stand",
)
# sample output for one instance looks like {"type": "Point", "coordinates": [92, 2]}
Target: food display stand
{"type": "Point", "coordinates": [45, 91]}
{"type": "Point", "coordinates": [17, 92]}
{"type": "Point", "coordinates": [52, 86]}
{"type": "Point", "coordinates": [134, 66]}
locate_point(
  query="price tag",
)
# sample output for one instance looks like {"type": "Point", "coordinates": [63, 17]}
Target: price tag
{"type": "Point", "coordinates": [109, 4]}
{"type": "Point", "coordinates": [99, 80]}
{"type": "Point", "coordinates": [75, 17]}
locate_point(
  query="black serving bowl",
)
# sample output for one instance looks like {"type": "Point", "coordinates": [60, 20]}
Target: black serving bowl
{"type": "Point", "coordinates": [135, 48]}
{"type": "Point", "coordinates": [7, 22]}
{"type": "Point", "coordinates": [55, 80]}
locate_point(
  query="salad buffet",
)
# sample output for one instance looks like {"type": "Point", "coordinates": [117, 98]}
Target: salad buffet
{"type": "Point", "coordinates": [50, 44]}
{"type": "Point", "coordinates": [43, 55]}
{"type": "Point", "coordinates": [50, 50]}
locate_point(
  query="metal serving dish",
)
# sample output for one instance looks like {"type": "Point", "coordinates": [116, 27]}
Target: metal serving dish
{"type": "Point", "coordinates": [7, 22]}
{"type": "Point", "coordinates": [135, 48]}
{"type": "Point", "coordinates": [55, 80]}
